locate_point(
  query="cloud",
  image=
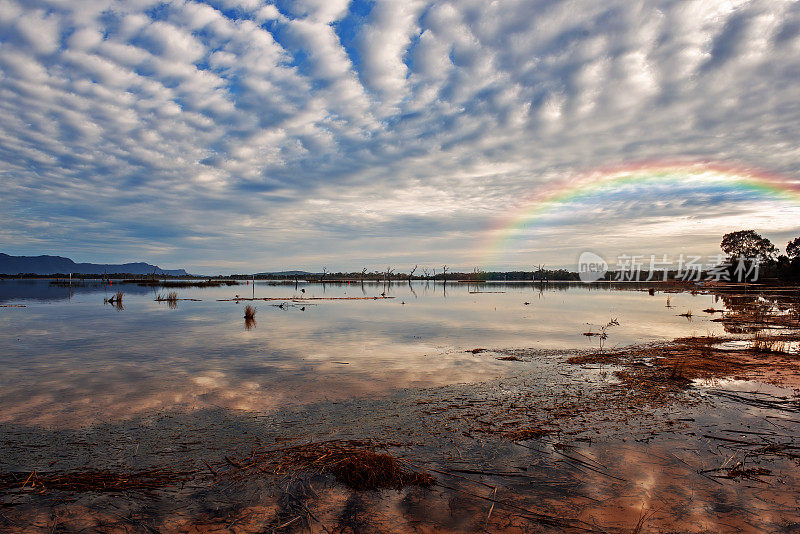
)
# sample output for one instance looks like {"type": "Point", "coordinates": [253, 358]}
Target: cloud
{"type": "Point", "coordinates": [309, 131]}
{"type": "Point", "coordinates": [384, 40]}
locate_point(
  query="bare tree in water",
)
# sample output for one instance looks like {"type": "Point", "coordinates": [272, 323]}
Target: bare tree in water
{"type": "Point", "coordinates": [411, 275]}
{"type": "Point", "coordinates": [540, 271]}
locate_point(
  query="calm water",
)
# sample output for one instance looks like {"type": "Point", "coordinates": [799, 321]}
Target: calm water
{"type": "Point", "coordinates": [69, 360]}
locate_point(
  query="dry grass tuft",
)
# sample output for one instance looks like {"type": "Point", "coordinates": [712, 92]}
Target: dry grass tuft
{"type": "Point", "coordinates": [356, 464]}
{"type": "Point", "coordinates": [359, 467]}
{"type": "Point", "coordinates": [764, 343]}
{"type": "Point", "coordinates": [170, 298]}
{"type": "Point", "coordinates": [116, 300]}
{"type": "Point", "coordinates": [250, 312]}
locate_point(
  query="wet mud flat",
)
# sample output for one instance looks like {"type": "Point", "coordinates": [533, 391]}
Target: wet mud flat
{"type": "Point", "coordinates": [699, 434]}
{"type": "Point", "coordinates": [562, 447]}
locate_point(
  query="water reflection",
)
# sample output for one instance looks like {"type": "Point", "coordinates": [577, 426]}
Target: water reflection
{"type": "Point", "coordinates": [67, 361]}
{"type": "Point", "coordinates": [249, 317]}
{"type": "Point", "coordinates": [12, 291]}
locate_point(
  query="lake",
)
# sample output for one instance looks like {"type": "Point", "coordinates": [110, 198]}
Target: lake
{"type": "Point", "coordinates": [70, 360]}
{"type": "Point", "coordinates": [154, 416]}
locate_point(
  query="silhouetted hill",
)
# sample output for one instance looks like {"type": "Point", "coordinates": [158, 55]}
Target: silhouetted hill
{"type": "Point", "coordinates": [44, 265]}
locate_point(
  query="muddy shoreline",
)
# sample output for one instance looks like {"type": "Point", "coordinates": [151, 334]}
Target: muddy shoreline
{"type": "Point", "coordinates": [558, 455]}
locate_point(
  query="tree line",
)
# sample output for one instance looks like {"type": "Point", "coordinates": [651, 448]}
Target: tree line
{"type": "Point", "coordinates": [774, 264]}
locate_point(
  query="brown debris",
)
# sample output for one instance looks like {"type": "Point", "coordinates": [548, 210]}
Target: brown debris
{"type": "Point", "coordinates": [740, 471]}
{"type": "Point", "coordinates": [98, 481]}
{"type": "Point", "coordinates": [672, 365]}
{"type": "Point", "coordinates": [596, 357]}
{"type": "Point", "coordinates": [357, 464]}
{"type": "Point", "coordinates": [527, 433]}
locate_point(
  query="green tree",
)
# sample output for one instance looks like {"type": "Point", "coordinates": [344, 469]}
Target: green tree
{"type": "Point", "coordinates": [793, 248]}
{"type": "Point", "coordinates": [749, 244]}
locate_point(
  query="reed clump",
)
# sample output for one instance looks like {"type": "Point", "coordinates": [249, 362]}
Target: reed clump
{"type": "Point", "coordinates": [170, 298]}
{"type": "Point", "coordinates": [250, 312]}
{"type": "Point", "coordinates": [116, 300]}
{"type": "Point", "coordinates": [770, 344]}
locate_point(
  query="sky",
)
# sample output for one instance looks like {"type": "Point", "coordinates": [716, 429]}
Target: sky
{"type": "Point", "coordinates": [235, 136]}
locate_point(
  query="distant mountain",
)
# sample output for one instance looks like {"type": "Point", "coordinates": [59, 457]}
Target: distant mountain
{"type": "Point", "coordinates": [44, 265]}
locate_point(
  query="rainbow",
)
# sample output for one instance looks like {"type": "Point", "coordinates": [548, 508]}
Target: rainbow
{"type": "Point", "coordinates": [605, 180]}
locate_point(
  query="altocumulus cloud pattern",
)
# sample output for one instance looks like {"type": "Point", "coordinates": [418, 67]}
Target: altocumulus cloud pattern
{"type": "Point", "coordinates": [238, 133]}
